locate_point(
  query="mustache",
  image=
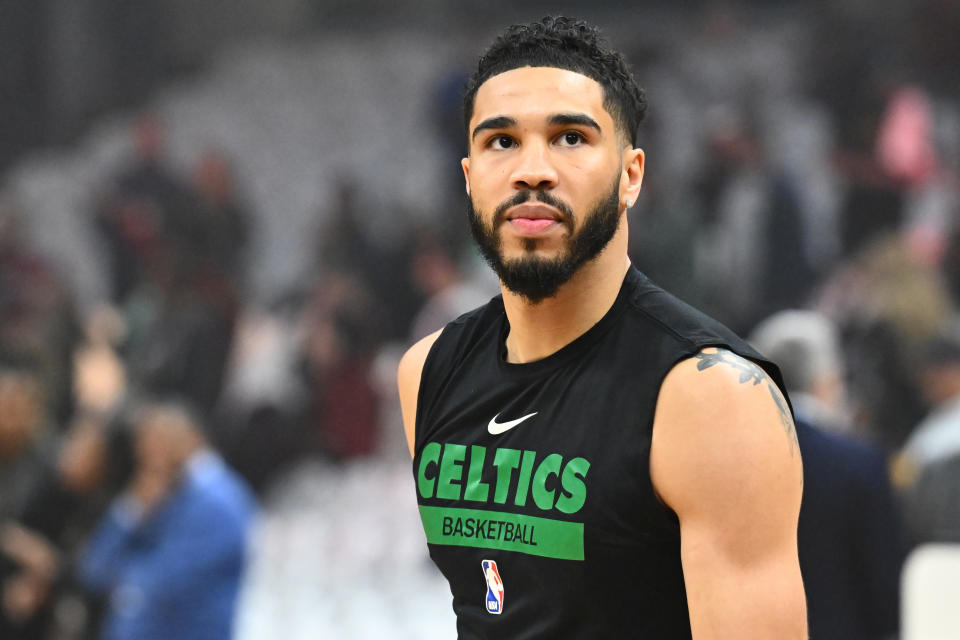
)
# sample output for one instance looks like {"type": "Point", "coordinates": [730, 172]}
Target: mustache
{"type": "Point", "coordinates": [525, 195]}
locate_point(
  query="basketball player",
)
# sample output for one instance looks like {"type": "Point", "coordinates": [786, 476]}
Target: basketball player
{"type": "Point", "coordinates": [593, 458]}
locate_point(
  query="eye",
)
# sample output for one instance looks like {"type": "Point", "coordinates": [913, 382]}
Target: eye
{"type": "Point", "coordinates": [501, 142]}
{"type": "Point", "coordinates": [571, 139]}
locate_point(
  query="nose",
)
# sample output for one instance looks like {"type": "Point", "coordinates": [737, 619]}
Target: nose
{"type": "Point", "coordinates": [533, 169]}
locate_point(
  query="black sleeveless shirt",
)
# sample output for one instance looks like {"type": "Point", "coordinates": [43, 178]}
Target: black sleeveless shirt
{"type": "Point", "coordinates": [533, 479]}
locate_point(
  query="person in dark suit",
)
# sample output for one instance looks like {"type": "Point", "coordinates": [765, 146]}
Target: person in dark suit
{"type": "Point", "coordinates": [169, 554]}
{"type": "Point", "coordinates": [849, 534]}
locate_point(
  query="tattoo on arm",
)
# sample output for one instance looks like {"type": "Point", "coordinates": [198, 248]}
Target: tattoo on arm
{"type": "Point", "coordinates": [750, 372]}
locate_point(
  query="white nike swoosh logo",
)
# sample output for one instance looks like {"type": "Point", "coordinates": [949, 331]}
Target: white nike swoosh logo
{"type": "Point", "coordinates": [496, 428]}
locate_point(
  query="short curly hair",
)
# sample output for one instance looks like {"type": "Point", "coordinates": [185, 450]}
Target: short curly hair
{"type": "Point", "coordinates": [564, 43]}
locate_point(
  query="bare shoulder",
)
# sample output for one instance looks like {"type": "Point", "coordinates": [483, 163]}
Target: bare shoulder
{"type": "Point", "coordinates": [722, 424]}
{"type": "Point", "coordinates": [724, 457]}
{"type": "Point", "coordinates": [408, 381]}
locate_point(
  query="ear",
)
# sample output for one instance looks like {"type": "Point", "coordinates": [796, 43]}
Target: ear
{"type": "Point", "coordinates": [465, 165]}
{"type": "Point", "coordinates": [631, 177]}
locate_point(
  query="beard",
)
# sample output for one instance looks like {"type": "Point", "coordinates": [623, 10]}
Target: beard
{"type": "Point", "coordinates": [533, 277]}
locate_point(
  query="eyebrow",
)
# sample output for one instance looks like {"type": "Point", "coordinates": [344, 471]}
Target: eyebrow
{"type": "Point", "coordinates": [563, 119]}
{"type": "Point", "coordinates": [496, 122]}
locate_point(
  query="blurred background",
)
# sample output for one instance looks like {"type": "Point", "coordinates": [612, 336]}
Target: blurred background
{"type": "Point", "coordinates": [242, 213]}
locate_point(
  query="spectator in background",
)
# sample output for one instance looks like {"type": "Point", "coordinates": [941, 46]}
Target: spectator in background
{"type": "Point", "coordinates": [261, 426]}
{"type": "Point", "coordinates": [851, 73]}
{"type": "Point", "coordinates": [212, 245]}
{"type": "Point", "coordinates": [849, 530]}
{"type": "Point", "coordinates": [937, 437]}
{"type": "Point", "coordinates": [438, 277]}
{"type": "Point", "coordinates": [42, 542]}
{"type": "Point", "coordinates": [887, 304]}
{"type": "Point", "coordinates": [145, 205]}
{"type": "Point", "coordinates": [26, 450]}
{"type": "Point", "coordinates": [809, 345]}
{"type": "Point", "coordinates": [751, 245]}
{"type": "Point", "coordinates": [170, 553]}
{"type": "Point", "coordinates": [38, 321]}
{"type": "Point", "coordinates": [181, 331]}
{"type": "Point", "coordinates": [340, 330]}
{"type": "Point", "coordinates": [342, 242]}
{"type": "Point", "coordinates": [928, 468]}
{"type": "Point", "coordinates": [184, 272]}
{"type": "Point", "coordinates": [26, 444]}
{"type": "Point", "coordinates": [347, 248]}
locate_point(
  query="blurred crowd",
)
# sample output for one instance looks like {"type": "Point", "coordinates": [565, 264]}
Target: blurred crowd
{"type": "Point", "coordinates": [813, 206]}
{"type": "Point", "coordinates": [134, 437]}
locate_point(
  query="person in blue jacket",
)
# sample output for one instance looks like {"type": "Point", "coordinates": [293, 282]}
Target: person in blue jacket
{"type": "Point", "coordinates": [169, 554]}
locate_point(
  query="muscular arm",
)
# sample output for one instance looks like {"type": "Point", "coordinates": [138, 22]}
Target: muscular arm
{"type": "Point", "coordinates": [408, 381]}
{"type": "Point", "coordinates": [725, 458]}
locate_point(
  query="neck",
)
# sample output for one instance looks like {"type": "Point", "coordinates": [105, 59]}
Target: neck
{"type": "Point", "coordinates": [538, 330]}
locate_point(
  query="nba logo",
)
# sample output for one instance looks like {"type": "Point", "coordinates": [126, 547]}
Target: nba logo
{"type": "Point", "coordinates": [494, 587]}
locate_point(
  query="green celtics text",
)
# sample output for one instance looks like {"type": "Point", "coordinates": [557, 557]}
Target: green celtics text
{"type": "Point", "coordinates": [455, 472]}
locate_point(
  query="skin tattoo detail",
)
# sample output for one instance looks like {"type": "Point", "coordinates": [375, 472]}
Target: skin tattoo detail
{"type": "Point", "coordinates": [749, 372]}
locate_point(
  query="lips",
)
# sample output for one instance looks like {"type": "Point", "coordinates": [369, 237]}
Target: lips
{"type": "Point", "coordinates": [532, 225]}
{"type": "Point", "coordinates": [533, 211]}
{"type": "Point", "coordinates": [533, 217]}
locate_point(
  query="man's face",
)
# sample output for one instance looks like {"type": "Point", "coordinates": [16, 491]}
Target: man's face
{"type": "Point", "coordinates": [545, 176]}
{"type": "Point", "coordinates": [160, 442]}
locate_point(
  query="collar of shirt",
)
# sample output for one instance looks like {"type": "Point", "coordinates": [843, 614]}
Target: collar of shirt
{"type": "Point", "coordinates": [203, 463]}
